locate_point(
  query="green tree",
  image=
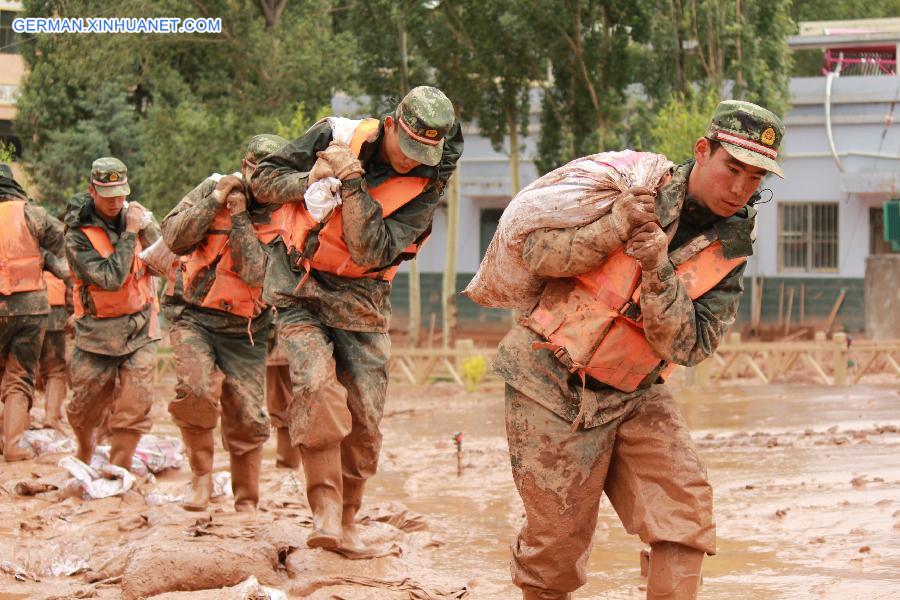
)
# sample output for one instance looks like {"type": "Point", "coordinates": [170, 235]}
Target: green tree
{"type": "Point", "coordinates": [679, 122]}
{"type": "Point", "coordinates": [173, 107]}
{"type": "Point", "coordinates": [588, 46]}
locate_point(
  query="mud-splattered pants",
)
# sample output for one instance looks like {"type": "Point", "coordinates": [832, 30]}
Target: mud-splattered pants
{"type": "Point", "coordinates": [339, 381]}
{"type": "Point", "coordinates": [644, 460]}
{"type": "Point", "coordinates": [20, 347]}
{"type": "Point", "coordinates": [119, 385]}
{"type": "Point", "coordinates": [278, 387]}
{"type": "Point", "coordinates": [220, 373]}
{"type": "Point", "coordinates": [53, 357]}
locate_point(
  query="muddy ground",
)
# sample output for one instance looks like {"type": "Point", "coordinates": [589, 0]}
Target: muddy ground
{"type": "Point", "coordinates": [807, 486]}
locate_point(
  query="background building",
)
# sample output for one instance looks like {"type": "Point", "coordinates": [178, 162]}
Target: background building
{"type": "Point", "coordinates": [814, 231]}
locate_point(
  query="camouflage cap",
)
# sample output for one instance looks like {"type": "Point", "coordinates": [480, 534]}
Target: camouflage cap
{"type": "Point", "coordinates": [425, 115]}
{"type": "Point", "coordinates": [264, 144]}
{"type": "Point", "coordinates": [749, 132]}
{"type": "Point", "coordinates": [110, 177]}
{"type": "Point", "coordinates": [6, 171]}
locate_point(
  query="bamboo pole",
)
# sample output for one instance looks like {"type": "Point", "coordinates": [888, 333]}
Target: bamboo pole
{"type": "Point", "coordinates": [780, 303]}
{"type": "Point", "coordinates": [757, 315]}
{"type": "Point", "coordinates": [834, 311]}
{"type": "Point", "coordinates": [448, 283]}
{"type": "Point", "coordinates": [790, 309]}
{"type": "Point", "coordinates": [415, 303]}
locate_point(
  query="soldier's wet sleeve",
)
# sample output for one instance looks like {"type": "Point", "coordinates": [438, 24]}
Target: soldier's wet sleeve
{"type": "Point", "coordinates": [685, 331]}
{"type": "Point", "coordinates": [86, 263]}
{"type": "Point", "coordinates": [378, 242]}
{"type": "Point", "coordinates": [57, 265]}
{"type": "Point", "coordinates": [282, 177]}
{"type": "Point", "coordinates": [248, 254]}
{"type": "Point", "coordinates": [185, 226]}
{"type": "Point", "coordinates": [46, 229]}
{"type": "Point", "coordinates": [375, 241]}
{"type": "Point", "coordinates": [570, 251]}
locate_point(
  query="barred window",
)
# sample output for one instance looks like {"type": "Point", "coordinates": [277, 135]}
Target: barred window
{"type": "Point", "coordinates": [8, 40]}
{"type": "Point", "coordinates": [808, 237]}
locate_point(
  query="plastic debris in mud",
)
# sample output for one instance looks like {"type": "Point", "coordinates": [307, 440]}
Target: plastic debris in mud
{"type": "Point", "coordinates": [109, 481]}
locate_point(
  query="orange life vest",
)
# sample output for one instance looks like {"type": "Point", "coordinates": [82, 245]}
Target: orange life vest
{"type": "Point", "coordinates": [56, 289]}
{"type": "Point", "coordinates": [332, 254]}
{"type": "Point", "coordinates": [21, 262]}
{"type": "Point", "coordinates": [227, 291]}
{"type": "Point", "coordinates": [592, 322]}
{"type": "Point", "coordinates": [135, 294]}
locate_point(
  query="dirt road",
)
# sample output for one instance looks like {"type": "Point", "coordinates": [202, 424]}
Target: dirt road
{"type": "Point", "coordinates": [807, 486]}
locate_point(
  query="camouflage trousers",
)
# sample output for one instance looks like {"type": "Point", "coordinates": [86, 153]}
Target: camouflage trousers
{"type": "Point", "coordinates": [339, 381]}
{"type": "Point", "coordinates": [220, 374]}
{"type": "Point", "coordinates": [113, 391]}
{"type": "Point", "coordinates": [644, 460]}
{"type": "Point", "coordinates": [278, 387]}
{"type": "Point", "coordinates": [20, 349]}
{"type": "Point", "coordinates": [53, 357]}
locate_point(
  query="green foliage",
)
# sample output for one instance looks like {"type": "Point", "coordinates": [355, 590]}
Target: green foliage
{"type": "Point", "coordinates": [473, 370]}
{"type": "Point", "coordinates": [7, 152]}
{"type": "Point", "coordinates": [176, 107]}
{"type": "Point", "coordinates": [767, 60]}
{"type": "Point", "coordinates": [679, 122]}
{"type": "Point", "coordinates": [300, 121]}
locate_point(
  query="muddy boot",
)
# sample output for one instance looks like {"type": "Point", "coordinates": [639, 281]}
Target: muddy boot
{"type": "Point", "coordinates": [55, 394]}
{"type": "Point", "coordinates": [15, 422]}
{"type": "Point", "coordinates": [674, 572]}
{"type": "Point", "coordinates": [122, 447]}
{"type": "Point", "coordinates": [245, 479]}
{"type": "Point", "coordinates": [287, 456]}
{"type": "Point", "coordinates": [533, 593]}
{"type": "Point", "coordinates": [324, 491]}
{"type": "Point", "coordinates": [85, 439]}
{"type": "Point", "coordinates": [353, 493]}
{"type": "Point", "coordinates": [199, 445]}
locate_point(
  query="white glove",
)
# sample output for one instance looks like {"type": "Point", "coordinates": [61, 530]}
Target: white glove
{"type": "Point", "coordinates": [146, 218]}
{"type": "Point", "coordinates": [322, 198]}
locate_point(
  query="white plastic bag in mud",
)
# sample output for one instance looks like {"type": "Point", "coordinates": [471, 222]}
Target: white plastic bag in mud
{"type": "Point", "coordinates": [251, 589]}
{"type": "Point", "coordinates": [113, 481]}
{"type": "Point", "coordinates": [573, 195]}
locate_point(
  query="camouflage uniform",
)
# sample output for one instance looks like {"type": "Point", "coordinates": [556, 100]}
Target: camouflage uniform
{"type": "Point", "coordinates": [114, 359]}
{"type": "Point", "coordinates": [334, 330]}
{"type": "Point", "coordinates": [205, 341]}
{"type": "Point", "coordinates": [634, 446]}
{"type": "Point", "coordinates": [278, 399]}
{"type": "Point", "coordinates": [53, 369]}
{"type": "Point", "coordinates": [23, 321]}
{"type": "Point", "coordinates": [220, 355]}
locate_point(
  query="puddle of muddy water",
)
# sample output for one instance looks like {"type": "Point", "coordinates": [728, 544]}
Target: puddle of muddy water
{"type": "Point", "coordinates": [831, 537]}
{"type": "Point", "coordinates": [807, 484]}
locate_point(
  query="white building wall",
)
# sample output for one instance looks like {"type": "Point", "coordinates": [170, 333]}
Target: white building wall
{"type": "Point", "coordinates": [862, 115]}
{"type": "Point", "coordinates": [861, 107]}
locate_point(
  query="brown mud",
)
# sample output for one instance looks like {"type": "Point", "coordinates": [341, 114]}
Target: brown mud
{"type": "Point", "coordinates": [807, 483]}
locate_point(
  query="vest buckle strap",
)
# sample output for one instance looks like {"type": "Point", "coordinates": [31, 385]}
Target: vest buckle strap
{"type": "Point", "coordinates": [631, 310]}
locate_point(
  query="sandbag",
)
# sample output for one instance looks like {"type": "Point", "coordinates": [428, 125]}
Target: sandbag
{"type": "Point", "coordinates": [575, 194]}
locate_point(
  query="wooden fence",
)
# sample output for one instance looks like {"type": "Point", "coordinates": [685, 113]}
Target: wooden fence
{"type": "Point", "coordinates": [838, 361]}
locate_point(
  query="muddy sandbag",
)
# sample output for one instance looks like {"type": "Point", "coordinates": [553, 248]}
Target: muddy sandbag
{"type": "Point", "coordinates": [190, 565]}
{"type": "Point", "coordinates": [575, 194]}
